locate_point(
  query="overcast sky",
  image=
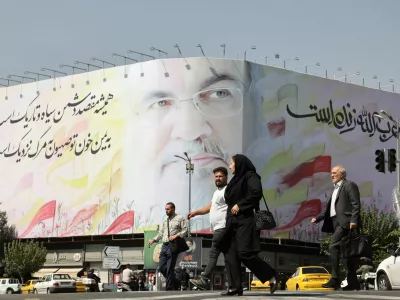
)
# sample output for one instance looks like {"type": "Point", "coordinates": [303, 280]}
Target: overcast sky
{"type": "Point", "coordinates": [357, 35]}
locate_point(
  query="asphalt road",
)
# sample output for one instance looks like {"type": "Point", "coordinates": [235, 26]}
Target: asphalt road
{"type": "Point", "coordinates": [279, 295]}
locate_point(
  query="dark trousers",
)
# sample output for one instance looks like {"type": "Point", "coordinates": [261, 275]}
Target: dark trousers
{"type": "Point", "coordinates": [167, 267]}
{"type": "Point", "coordinates": [334, 250]}
{"type": "Point", "coordinates": [214, 253]}
{"type": "Point", "coordinates": [260, 268]}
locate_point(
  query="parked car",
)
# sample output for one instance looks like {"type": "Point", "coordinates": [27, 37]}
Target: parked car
{"type": "Point", "coordinates": [257, 285]}
{"type": "Point", "coordinates": [28, 287]}
{"type": "Point", "coordinates": [388, 272]}
{"type": "Point", "coordinates": [308, 278]}
{"type": "Point", "coordinates": [55, 283]}
{"type": "Point", "coordinates": [10, 286]}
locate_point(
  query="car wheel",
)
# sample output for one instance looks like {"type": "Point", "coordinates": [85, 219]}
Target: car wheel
{"type": "Point", "coordinates": [9, 291]}
{"type": "Point", "coordinates": [297, 288]}
{"type": "Point", "coordinates": [384, 283]}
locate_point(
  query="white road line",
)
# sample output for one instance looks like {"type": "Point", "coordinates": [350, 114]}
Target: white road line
{"type": "Point", "coordinates": [359, 295]}
{"type": "Point", "coordinates": [166, 296]}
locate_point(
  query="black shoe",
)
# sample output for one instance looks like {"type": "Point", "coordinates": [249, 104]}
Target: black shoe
{"type": "Point", "coordinates": [272, 287]}
{"type": "Point", "coordinates": [333, 283]}
{"type": "Point", "coordinates": [232, 292]}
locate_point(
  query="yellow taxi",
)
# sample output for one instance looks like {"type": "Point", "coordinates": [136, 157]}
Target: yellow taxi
{"type": "Point", "coordinates": [257, 285]}
{"type": "Point", "coordinates": [308, 278]}
{"type": "Point", "coordinates": [27, 288]}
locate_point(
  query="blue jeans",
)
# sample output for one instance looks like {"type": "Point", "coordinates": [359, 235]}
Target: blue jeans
{"type": "Point", "coordinates": [167, 267]}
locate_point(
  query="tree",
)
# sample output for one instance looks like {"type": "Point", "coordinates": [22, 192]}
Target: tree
{"type": "Point", "coordinates": [382, 226]}
{"type": "Point", "coordinates": [23, 258]}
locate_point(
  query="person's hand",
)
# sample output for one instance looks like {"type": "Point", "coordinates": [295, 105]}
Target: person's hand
{"type": "Point", "coordinates": [353, 225]}
{"type": "Point", "coordinates": [172, 237]}
{"type": "Point", "coordinates": [314, 220]}
{"type": "Point", "coordinates": [191, 214]}
{"type": "Point", "coordinates": [151, 243]}
{"type": "Point", "coordinates": [235, 209]}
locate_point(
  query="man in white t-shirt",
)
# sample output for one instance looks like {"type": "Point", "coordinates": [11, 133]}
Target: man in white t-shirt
{"type": "Point", "coordinates": [127, 275]}
{"type": "Point", "coordinates": [217, 210]}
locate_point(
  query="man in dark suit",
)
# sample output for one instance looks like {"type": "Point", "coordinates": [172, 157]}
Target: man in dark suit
{"type": "Point", "coordinates": [342, 214]}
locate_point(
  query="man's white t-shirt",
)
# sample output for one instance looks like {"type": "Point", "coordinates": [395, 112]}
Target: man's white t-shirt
{"type": "Point", "coordinates": [127, 275]}
{"type": "Point", "coordinates": [218, 209]}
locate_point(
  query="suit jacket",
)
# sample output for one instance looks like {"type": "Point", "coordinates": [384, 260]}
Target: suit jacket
{"type": "Point", "coordinates": [347, 208]}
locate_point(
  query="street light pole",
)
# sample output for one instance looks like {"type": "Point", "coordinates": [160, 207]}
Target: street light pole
{"type": "Point", "coordinates": [189, 171]}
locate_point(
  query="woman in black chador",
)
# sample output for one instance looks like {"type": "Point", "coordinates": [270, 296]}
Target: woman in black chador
{"type": "Point", "coordinates": [241, 240]}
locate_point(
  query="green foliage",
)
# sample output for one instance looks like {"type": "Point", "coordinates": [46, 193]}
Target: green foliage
{"type": "Point", "coordinates": [23, 258]}
{"type": "Point", "coordinates": [382, 226]}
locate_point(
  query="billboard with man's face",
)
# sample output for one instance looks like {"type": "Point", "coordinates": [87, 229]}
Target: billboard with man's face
{"type": "Point", "coordinates": [95, 153]}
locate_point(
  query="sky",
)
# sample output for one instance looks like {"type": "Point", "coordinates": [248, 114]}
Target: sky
{"type": "Point", "coordinates": [358, 35]}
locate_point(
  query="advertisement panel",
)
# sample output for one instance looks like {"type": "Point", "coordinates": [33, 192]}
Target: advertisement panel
{"type": "Point", "coordinates": [95, 153]}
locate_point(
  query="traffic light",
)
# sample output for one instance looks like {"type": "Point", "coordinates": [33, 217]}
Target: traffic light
{"type": "Point", "coordinates": [392, 160]}
{"type": "Point", "coordinates": [380, 160]}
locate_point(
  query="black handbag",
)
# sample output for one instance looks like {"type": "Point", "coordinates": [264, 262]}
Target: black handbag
{"type": "Point", "coordinates": [356, 245]}
{"type": "Point", "coordinates": [264, 219]}
{"type": "Point", "coordinates": [178, 245]}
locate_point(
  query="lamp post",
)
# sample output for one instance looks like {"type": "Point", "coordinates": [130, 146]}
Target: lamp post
{"type": "Point", "coordinates": [159, 51]}
{"type": "Point", "coordinates": [142, 54]}
{"type": "Point", "coordinates": [251, 48]}
{"type": "Point", "coordinates": [347, 76]}
{"type": "Point", "coordinates": [22, 80]}
{"type": "Point", "coordinates": [187, 65]}
{"type": "Point", "coordinates": [391, 81]}
{"type": "Point", "coordinates": [125, 58]}
{"type": "Point", "coordinates": [265, 57]}
{"type": "Point", "coordinates": [384, 115]}
{"type": "Point", "coordinates": [223, 46]}
{"type": "Point", "coordinates": [8, 84]}
{"type": "Point", "coordinates": [37, 81]}
{"type": "Point", "coordinates": [189, 171]}
{"type": "Point", "coordinates": [337, 69]}
{"type": "Point", "coordinates": [73, 73]}
{"type": "Point", "coordinates": [284, 61]}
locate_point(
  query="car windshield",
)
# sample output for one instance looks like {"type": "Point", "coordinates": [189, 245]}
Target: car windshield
{"type": "Point", "coordinates": [314, 270]}
{"type": "Point", "coordinates": [61, 276]}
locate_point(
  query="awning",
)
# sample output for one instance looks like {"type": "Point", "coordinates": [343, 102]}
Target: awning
{"type": "Point", "coordinates": [70, 271]}
{"type": "Point", "coordinates": [42, 272]}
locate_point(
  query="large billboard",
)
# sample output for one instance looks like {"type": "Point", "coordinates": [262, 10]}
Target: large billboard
{"type": "Point", "coordinates": [94, 153]}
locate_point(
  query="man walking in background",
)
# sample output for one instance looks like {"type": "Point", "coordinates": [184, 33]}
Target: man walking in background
{"type": "Point", "coordinates": [173, 227]}
{"type": "Point", "coordinates": [217, 210]}
{"type": "Point", "coordinates": [341, 215]}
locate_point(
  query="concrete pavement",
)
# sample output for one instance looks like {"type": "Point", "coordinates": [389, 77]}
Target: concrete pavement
{"type": "Point", "coordinates": [248, 295]}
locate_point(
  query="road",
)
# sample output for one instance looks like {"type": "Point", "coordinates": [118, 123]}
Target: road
{"type": "Point", "coordinates": [279, 295]}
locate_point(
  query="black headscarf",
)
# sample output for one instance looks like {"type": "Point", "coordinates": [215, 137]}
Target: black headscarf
{"type": "Point", "coordinates": [243, 165]}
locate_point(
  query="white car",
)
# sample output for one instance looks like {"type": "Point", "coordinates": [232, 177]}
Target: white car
{"type": "Point", "coordinates": [55, 283]}
{"type": "Point", "coordinates": [10, 286]}
{"type": "Point", "coordinates": [388, 272]}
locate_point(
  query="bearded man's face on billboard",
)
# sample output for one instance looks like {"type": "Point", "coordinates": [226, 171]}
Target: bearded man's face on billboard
{"type": "Point", "coordinates": [198, 111]}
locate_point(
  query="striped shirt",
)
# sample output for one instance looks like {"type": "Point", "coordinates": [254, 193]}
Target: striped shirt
{"type": "Point", "coordinates": [177, 225]}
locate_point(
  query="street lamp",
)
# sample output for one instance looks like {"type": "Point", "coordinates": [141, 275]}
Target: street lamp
{"type": "Point", "coordinates": [22, 80]}
{"type": "Point", "coordinates": [77, 62]}
{"type": "Point", "coordinates": [8, 84]}
{"type": "Point", "coordinates": [346, 76]}
{"type": "Point", "coordinates": [384, 115]}
{"type": "Point", "coordinates": [284, 61]}
{"type": "Point", "coordinates": [125, 58]}
{"type": "Point", "coordinates": [223, 46]}
{"type": "Point", "coordinates": [159, 51]}
{"type": "Point", "coordinates": [189, 170]}
{"type": "Point", "coordinates": [337, 69]}
{"type": "Point", "coordinates": [37, 81]}
{"type": "Point", "coordinates": [73, 73]}
{"type": "Point", "coordinates": [187, 66]}
{"type": "Point", "coordinates": [391, 81]}
{"type": "Point", "coordinates": [104, 62]}
{"type": "Point", "coordinates": [251, 48]}
{"type": "Point", "coordinates": [54, 76]}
